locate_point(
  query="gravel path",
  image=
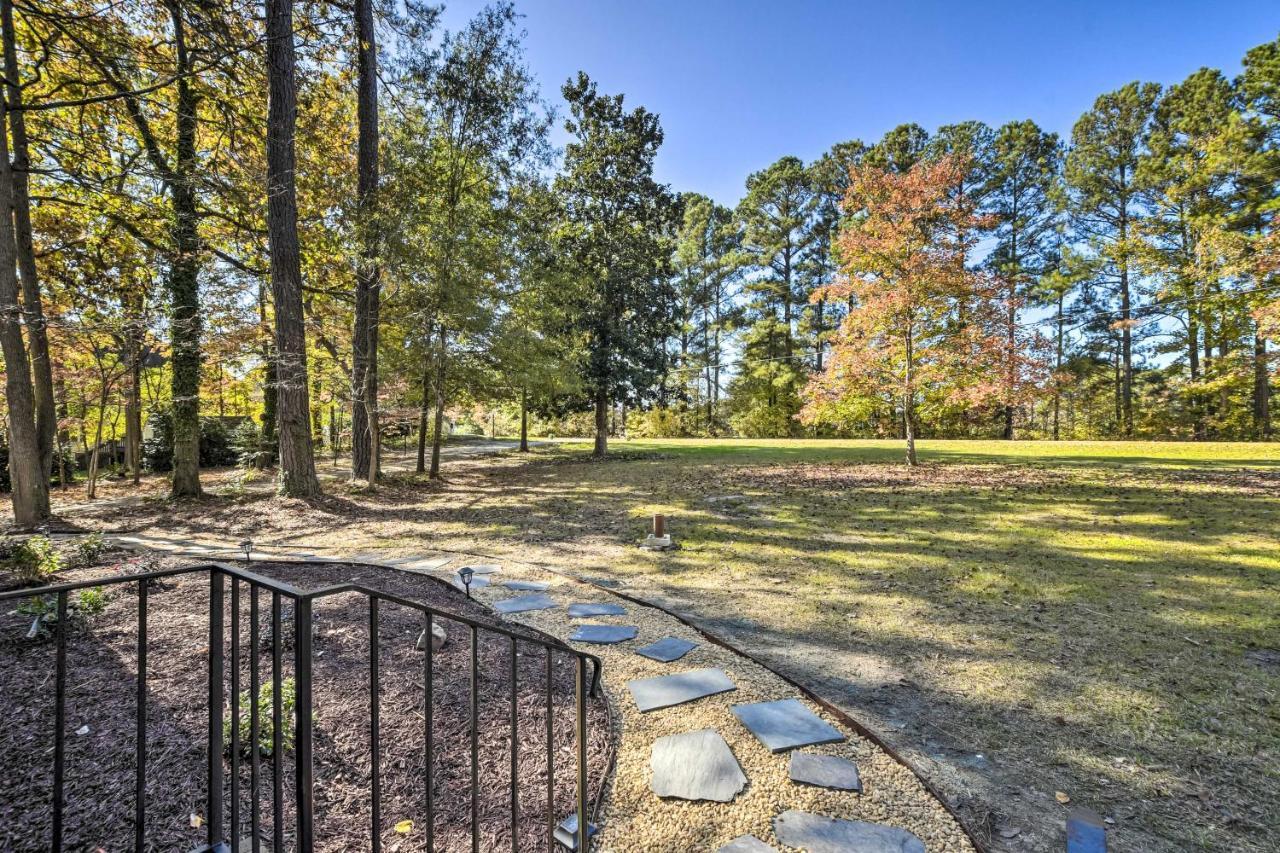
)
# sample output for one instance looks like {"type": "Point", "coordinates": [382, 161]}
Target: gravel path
{"type": "Point", "coordinates": [634, 818]}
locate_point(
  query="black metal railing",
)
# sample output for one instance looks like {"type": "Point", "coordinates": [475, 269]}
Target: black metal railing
{"type": "Point", "coordinates": [304, 821]}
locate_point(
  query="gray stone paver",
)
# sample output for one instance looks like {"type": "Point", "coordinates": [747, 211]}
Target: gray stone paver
{"type": "Point", "coordinates": [607, 634]}
{"type": "Point", "coordinates": [650, 694]}
{"type": "Point", "coordinates": [696, 766]}
{"type": "Point", "coordinates": [786, 724]}
{"type": "Point", "coordinates": [818, 834]}
{"type": "Point", "coordinates": [525, 603]}
{"type": "Point", "coordinates": [824, 771]}
{"type": "Point", "coordinates": [581, 610]}
{"type": "Point", "coordinates": [667, 649]}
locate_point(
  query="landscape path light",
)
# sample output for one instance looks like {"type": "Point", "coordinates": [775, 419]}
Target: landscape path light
{"type": "Point", "coordinates": [465, 574]}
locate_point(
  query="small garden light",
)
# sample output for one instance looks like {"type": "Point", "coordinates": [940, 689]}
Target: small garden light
{"type": "Point", "coordinates": [465, 574]}
{"type": "Point", "coordinates": [247, 547]}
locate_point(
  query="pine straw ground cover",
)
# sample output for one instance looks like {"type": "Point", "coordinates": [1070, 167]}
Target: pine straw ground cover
{"type": "Point", "coordinates": [1019, 619]}
{"type": "Point", "coordinates": [101, 663]}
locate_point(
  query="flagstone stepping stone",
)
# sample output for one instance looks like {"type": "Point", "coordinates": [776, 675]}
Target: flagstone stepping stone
{"type": "Point", "coordinates": [825, 771]}
{"type": "Point", "coordinates": [650, 694]}
{"type": "Point", "coordinates": [785, 724]}
{"type": "Point", "coordinates": [817, 834]}
{"type": "Point", "coordinates": [424, 564]}
{"type": "Point", "coordinates": [747, 844]}
{"type": "Point", "coordinates": [579, 610]}
{"type": "Point", "coordinates": [696, 766]}
{"type": "Point", "coordinates": [567, 832]}
{"type": "Point", "coordinates": [482, 568]}
{"type": "Point", "coordinates": [667, 649]}
{"type": "Point", "coordinates": [604, 633]}
{"type": "Point", "coordinates": [528, 586]}
{"type": "Point", "coordinates": [523, 603]}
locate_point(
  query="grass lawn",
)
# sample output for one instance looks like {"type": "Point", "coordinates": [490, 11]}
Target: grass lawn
{"type": "Point", "coordinates": [1025, 621]}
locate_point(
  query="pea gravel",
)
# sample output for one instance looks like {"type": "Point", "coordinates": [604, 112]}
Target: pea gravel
{"type": "Point", "coordinates": [634, 820]}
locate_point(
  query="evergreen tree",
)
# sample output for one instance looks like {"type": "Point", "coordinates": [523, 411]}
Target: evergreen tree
{"type": "Point", "coordinates": [1101, 172]}
{"type": "Point", "coordinates": [617, 230]}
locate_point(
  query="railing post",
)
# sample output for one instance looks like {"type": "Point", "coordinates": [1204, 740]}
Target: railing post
{"type": "Point", "coordinates": [302, 744]}
{"type": "Point", "coordinates": [214, 834]}
{"type": "Point", "coordinates": [581, 691]}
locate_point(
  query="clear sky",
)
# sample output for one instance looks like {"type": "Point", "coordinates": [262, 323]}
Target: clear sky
{"type": "Point", "coordinates": [739, 84]}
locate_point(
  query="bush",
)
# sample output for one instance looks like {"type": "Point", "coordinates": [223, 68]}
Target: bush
{"type": "Point", "coordinates": [88, 549]}
{"type": "Point", "coordinates": [91, 601]}
{"type": "Point", "coordinates": [217, 449]}
{"type": "Point", "coordinates": [266, 695]}
{"type": "Point", "coordinates": [31, 560]}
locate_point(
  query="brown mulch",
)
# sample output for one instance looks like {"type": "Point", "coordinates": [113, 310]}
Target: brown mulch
{"type": "Point", "coordinates": [100, 720]}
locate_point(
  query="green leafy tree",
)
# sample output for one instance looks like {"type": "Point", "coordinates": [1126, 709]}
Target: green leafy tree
{"type": "Point", "coordinates": [617, 230]}
{"type": "Point", "coordinates": [1107, 144]}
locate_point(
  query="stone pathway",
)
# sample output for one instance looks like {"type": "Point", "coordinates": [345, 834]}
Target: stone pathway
{"type": "Point", "coordinates": [698, 765]}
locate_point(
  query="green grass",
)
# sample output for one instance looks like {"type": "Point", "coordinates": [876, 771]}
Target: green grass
{"type": "Point", "coordinates": [1078, 612]}
{"type": "Point", "coordinates": [1092, 618]}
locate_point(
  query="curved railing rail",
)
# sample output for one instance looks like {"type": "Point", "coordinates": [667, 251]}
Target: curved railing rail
{"type": "Point", "coordinates": [244, 580]}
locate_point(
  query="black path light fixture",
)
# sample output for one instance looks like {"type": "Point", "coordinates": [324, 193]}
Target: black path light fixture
{"type": "Point", "coordinates": [247, 547]}
{"type": "Point", "coordinates": [465, 574]}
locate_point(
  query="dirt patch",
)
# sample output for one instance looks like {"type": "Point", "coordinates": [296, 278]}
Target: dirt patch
{"type": "Point", "coordinates": [100, 738]}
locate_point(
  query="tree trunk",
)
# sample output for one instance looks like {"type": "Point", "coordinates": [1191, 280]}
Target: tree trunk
{"type": "Point", "coordinates": [365, 456]}
{"type": "Point", "coordinates": [267, 446]}
{"type": "Point", "coordinates": [1126, 338]}
{"type": "Point", "coordinates": [1057, 370]}
{"type": "Point", "coordinates": [909, 401]}
{"type": "Point", "coordinates": [1261, 388]}
{"type": "Point", "coordinates": [62, 435]}
{"type": "Point", "coordinates": [183, 282]}
{"type": "Point", "coordinates": [297, 465]}
{"type": "Point", "coordinates": [438, 433]}
{"type": "Point", "coordinates": [524, 419]}
{"type": "Point", "coordinates": [133, 405]}
{"type": "Point", "coordinates": [424, 417]}
{"type": "Point", "coordinates": [30, 485]}
{"type": "Point", "coordinates": [602, 424]}
{"type": "Point", "coordinates": [37, 337]}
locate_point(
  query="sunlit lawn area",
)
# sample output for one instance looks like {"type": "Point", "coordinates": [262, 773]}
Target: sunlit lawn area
{"type": "Point", "coordinates": [1020, 619]}
{"type": "Point", "coordinates": [1091, 618]}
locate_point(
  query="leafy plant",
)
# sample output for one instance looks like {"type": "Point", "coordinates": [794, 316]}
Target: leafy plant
{"type": "Point", "coordinates": [33, 559]}
{"type": "Point", "coordinates": [88, 549]}
{"type": "Point", "coordinates": [91, 601]}
{"type": "Point", "coordinates": [266, 730]}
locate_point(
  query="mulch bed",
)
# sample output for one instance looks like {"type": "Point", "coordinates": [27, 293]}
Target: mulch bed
{"type": "Point", "coordinates": [100, 721]}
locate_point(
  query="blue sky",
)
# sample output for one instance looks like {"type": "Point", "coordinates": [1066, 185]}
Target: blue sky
{"type": "Point", "coordinates": [739, 84]}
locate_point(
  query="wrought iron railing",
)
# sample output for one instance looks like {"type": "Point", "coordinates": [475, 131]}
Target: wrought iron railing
{"type": "Point", "coordinates": [304, 839]}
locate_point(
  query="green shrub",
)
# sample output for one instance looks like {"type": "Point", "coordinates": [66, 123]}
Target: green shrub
{"type": "Point", "coordinates": [88, 549]}
{"type": "Point", "coordinates": [217, 449]}
{"type": "Point", "coordinates": [91, 601]}
{"type": "Point", "coordinates": [266, 695]}
{"type": "Point", "coordinates": [33, 559]}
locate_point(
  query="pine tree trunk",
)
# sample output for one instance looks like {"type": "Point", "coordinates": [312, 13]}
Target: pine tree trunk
{"type": "Point", "coordinates": [1126, 338]}
{"type": "Point", "coordinates": [184, 269]}
{"type": "Point", "coordinates": [27, 477]}
{"type": "Point", "coordinates": [1261, 388]}
{"type": "Point", "coordinates": [438, 433]}
{"type": "Point", "coordinates": [365, 457]}
{"type": "Point", "coordinates": [602, 423]}
{"type": "Point", "coordinates": [1057, 370]}
{"type": "Point", "coordinates": [524, 419]}
{"type": "Point", "coordinates": [424, 417]}
{"type": "Point", "coordinates": [37, 336]}
{"type": "Point", "coordinates": [297, 465]}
